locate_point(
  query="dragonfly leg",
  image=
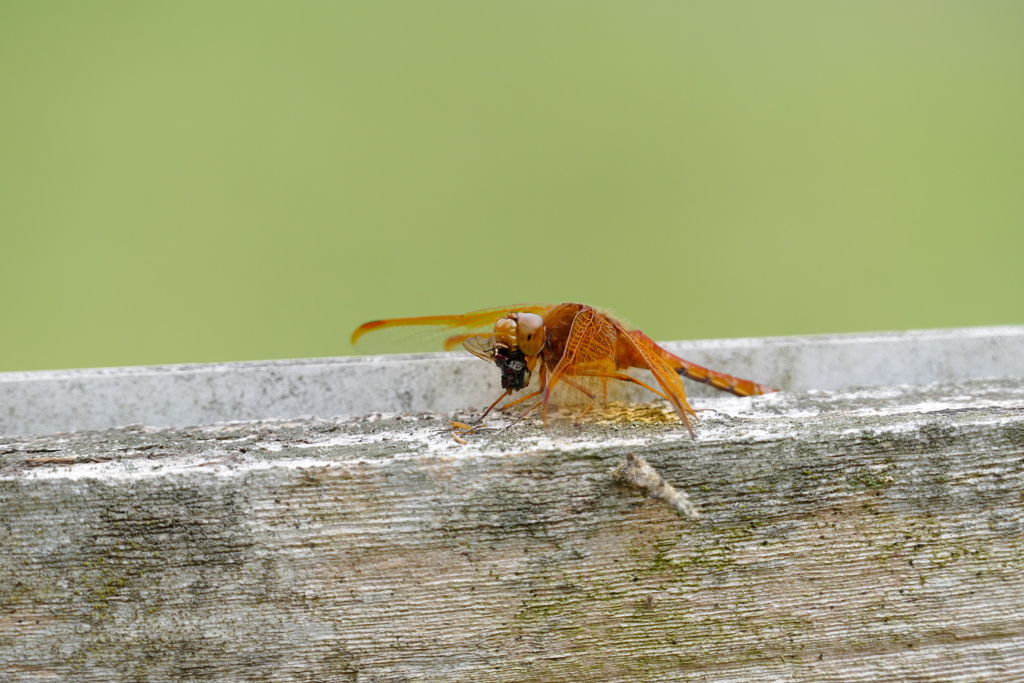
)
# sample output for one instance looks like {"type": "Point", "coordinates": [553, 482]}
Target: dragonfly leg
{"type": "Point", "coordinates": [626, 378]}
{"type": "Point", "coordinates": [508, 392]}
{"type": "Point", "coordinates": [591, 395]}
{"type": "Point", "coordinates": [524, 413]}
{"type": "Point", "coordinates": [543, 383]}
{"type": "Point", "coordinates": [521, 399]}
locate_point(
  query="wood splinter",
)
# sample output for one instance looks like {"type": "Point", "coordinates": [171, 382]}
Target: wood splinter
{"type": "Point", "coordinates": [636, 472]}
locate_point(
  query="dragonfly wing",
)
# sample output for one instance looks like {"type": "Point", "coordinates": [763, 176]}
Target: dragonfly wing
{"type": "Point", "coordinates": [589, 347]}
{"type": "Point", "coordinates": [667, 377]}
{"type": "Point", "coordinates": [718, 380]}
{"type": "Point", "coordinates": [453, 342]}
{"type": "Point", "coordinates": [433, 331]}
{"type": "Point", "coordinates": [481, 347]}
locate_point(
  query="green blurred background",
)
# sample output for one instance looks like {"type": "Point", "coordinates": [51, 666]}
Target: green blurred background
{"type": "Point", "coordinates": [208, 181]}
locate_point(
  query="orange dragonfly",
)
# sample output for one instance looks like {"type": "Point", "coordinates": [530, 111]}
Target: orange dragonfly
{"type": "Point", "coordinates": [572, 344]}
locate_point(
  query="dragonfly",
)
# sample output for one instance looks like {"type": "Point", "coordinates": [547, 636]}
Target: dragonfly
{"type": "Point", "coordinates": [569, 344]}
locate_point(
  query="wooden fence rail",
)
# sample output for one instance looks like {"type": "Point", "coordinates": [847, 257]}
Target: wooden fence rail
{"type": "Point", "coordinates": [849, 535]}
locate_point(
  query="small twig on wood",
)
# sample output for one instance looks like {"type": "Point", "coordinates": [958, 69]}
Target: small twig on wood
{"type": "Point", "coordinates": [63, 460]}
{"type": "Point", "coordinates": [36, 462]}
{"type": "Point", "coordinates": [636, 472]}
{"type": "Point", "coordinates": [461, 429]}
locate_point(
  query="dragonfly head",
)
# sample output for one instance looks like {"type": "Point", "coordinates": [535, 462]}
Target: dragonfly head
{"type": "Point", "coordinates": [517, 339]}
{"type": "Point", "coordinates": [520, 331]}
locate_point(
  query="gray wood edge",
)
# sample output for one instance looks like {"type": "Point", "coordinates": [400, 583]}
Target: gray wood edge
{"type": "Point", "coordinates": [55, 401]}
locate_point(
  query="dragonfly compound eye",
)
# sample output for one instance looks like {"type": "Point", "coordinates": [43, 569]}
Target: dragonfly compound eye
{"type": "Point", "coordinates": [530, 333]}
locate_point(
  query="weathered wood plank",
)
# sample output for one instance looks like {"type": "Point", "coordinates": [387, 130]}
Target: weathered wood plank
{"type": "Point", "coordinates": [867, 535]}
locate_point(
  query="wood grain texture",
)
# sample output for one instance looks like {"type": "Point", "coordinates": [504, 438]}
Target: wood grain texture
{"type": "Point", "coordinates": [855, 536]}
